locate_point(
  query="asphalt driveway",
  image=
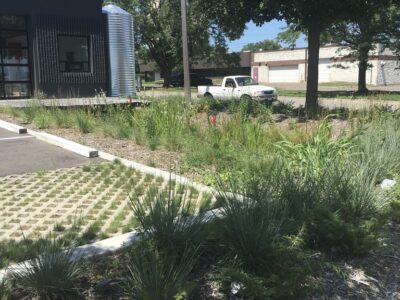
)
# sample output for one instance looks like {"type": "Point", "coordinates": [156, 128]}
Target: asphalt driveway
{"type": "Point", "coordinates": [22, 153]}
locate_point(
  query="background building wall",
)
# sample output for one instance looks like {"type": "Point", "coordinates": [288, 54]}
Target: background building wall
{"type": "Point", "coordinates": [48, 77]}
{"type": "Point", "coordinates": [78, 8]}
{"type": "Point", "coordinates": [388, 72]}
{"type": "Point", "coordinates": [333, 67]}
{"type": "Point", "coordinates": [279, 55]}
{"type": "Point", "coordinates": [46, 20]}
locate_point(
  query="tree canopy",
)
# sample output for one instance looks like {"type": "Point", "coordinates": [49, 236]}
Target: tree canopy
{"type": "Point", "coordinates": [262, 46]}
{"type": "Point", "coordinates": [309, 16]}
{"type": "Point", "coordinates": [289, 37]}
{"type": "Point", "coordinates": [359, 38]}
{"type": "Point", "coordinates": [159, 34]}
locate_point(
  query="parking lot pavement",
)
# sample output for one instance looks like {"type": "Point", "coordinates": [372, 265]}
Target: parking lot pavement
{"type": "Point", "coordinates": [22, 153]}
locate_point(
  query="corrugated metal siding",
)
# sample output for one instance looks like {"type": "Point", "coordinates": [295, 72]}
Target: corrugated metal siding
{"type": "Point", "coordinates": [120, 44]}
{"type": "Point", "coordinates": [76, 84]}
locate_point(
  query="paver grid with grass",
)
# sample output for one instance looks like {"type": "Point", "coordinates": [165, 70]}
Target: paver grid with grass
{"type": "Point", "coordinates": [91, 200]}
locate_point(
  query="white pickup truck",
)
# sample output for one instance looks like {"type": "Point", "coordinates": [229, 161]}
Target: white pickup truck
{"type": "Point", "coordinates": [238, 87]}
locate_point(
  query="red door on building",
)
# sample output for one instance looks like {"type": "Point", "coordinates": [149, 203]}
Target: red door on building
{"type": "Point", "coordinates": [255, 73]}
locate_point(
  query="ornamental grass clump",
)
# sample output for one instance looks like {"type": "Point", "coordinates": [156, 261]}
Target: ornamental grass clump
{"type": "Point", "coordinates": [84, 122]}
{"type": "Point", "coordinates": [156, 274]}
{"type": "Point", "coordinates": [52, 274]}
{"type": "Point", "coordinates": [117, 122]}
{"type": "Point", "coordinates": [250, 227]}
{"type": "Point", "coordinates": [164, 123]}
{"type": "Point", "coordinates": [160, 265]}
{"type": "Point", "coordinates": [377, 147]}
{"type": "Point", "coordinates": [63, 118]}
{"type": "Point", "coordinates": [167, 218]}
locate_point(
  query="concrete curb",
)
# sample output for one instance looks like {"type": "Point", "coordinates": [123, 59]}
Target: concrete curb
{"type": "Point", "coordinates": [110, 245]}
{"type": "Point", "coordinates": [64, 143]}
{"type": "Point", "coordinates": [157, 172]}
{"type": "Point", "coordinates": [12, 127]}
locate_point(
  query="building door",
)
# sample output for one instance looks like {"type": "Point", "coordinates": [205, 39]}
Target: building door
{"type": "Point", "coordinates": [324, 72]}
{"type": "Point", "coordinates": [284, 73]}
{"type": "Point", "coordinates": [15, 79]}
{"type": "Point", "coordinates": [255, 73]}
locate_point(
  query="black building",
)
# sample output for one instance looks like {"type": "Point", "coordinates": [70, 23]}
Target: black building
{"type": "Point", "coordinates": [54, 47]}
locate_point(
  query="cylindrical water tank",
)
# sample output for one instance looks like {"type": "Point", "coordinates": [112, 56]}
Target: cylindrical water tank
{"type": "Point", "coordinates": [121, 51]}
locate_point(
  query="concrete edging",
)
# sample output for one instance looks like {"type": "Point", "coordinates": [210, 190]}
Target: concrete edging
{"type": "Point", "coordinates": [65, 144]}
{"type": "Point", "coordinates": [12, 127]}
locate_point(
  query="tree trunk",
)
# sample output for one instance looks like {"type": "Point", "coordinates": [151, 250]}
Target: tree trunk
{"type": "Point", "coordinates": [362, 71]}
{"type": "Point", "coordinates": [314, 33]}
{"type": "Point", "coordinates": [167, 77]}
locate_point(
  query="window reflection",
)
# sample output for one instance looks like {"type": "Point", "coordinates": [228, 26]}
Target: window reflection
{"type": "Point", "coordinates": [16, 90]}
{"type": "Point", "coordinates": [12, 22]}
{"type": "Point", "coordinates": [13, 39]}
{"type": "Point", "coordinates": [16, 73]}
{"type": "Point", "coordinates": [15, 56]}
{"type": "Point", "coordinates": [74, 53]}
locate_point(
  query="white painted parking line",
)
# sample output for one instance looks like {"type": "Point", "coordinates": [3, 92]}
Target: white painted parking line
{"type": "Point", "coordinates": [16, 138]}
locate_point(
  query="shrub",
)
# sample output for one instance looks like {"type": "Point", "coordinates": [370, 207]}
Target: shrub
{"type": "Point", "coordinates": [158, 275]}
{"type": "Point", "coordinates": [333, 233]}
{"type": "Point", "coordinates": [52, 274]}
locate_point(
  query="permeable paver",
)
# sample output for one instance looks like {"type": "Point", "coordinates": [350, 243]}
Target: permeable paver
{"type": "Point", "coordinates": [74, 201]}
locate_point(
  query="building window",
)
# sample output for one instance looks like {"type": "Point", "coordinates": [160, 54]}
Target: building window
{"type": "Point", "coordinates": [14, 58]}
{"type": "Point", "coordinates": [74, 53]}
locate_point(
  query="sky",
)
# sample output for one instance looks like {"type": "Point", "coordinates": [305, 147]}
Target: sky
{"type": "Point", "coordinates": [256, 34]}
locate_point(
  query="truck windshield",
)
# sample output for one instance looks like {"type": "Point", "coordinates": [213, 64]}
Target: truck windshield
{"type": "Point", "coordinates": [245, 81]}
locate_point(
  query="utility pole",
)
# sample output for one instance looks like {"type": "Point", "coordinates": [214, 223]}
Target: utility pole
{"type": "Point", "coordinates": [185, 46]}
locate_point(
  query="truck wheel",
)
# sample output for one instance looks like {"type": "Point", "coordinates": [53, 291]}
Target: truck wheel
{"type": "Point", "coordinates": [245, 98]}
{"type": "Point", "coordinates": [208, 96]}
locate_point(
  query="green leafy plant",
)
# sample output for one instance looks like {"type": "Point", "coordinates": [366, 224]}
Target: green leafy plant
{"type": "Point", "coordinates": [315, 153]}
{"type": "Point", "coordinates": [52, 274]}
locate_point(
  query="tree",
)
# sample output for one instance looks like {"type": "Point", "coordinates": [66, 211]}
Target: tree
{"type": "Point", "coordinates": [262, 46]}
{"type": "Point", "coordinates": [358, 39]}
{"type": "Point", "coordinates": [391, 34]}
{"type": "Point", "coordinates": [309, 16]}
{"type": "Point", "coordinates": [289, 37]}
{"type": "Point", "coordinates": [159, 36]}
